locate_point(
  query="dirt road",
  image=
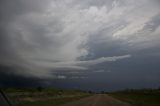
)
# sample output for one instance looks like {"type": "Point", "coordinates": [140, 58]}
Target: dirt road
{"type": "Point", "coordinates": [97, 100]}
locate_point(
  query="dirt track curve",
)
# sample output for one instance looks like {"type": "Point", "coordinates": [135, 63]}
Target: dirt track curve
{"type": "Point", "coordinates": [97, 100]}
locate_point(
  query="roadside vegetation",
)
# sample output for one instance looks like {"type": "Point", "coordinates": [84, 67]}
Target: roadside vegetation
{"type": "Point", "coordinates": [144, 97]}
{"type": "Point", "coordinates": [53, 97]}
{"type": "Point", "coordinates": [42, 97]}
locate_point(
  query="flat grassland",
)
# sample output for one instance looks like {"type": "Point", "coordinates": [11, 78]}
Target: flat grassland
{"type": "Point", "coordinates": [42, 97]}
{"type": "Point", "coordinates": [54, 97]}
{"type": "Point", "coordinates": [145, 97]}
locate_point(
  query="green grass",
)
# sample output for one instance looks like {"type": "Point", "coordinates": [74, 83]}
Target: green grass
{"type": "Point", "coordinates": [42, 97]}
{"type": "Point", "coordinates": [139, 97]}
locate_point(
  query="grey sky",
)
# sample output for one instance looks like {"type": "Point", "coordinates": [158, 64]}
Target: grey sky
{"type": "Point", "coordinates": [52, 38]}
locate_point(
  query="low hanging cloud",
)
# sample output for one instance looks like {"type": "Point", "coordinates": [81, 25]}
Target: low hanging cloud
{"type": "Point", "coordinates": [80, 65]}
{"type": "Point", "coordinates": [99, 71]}
{"type": "Point", "coordinates": [78, 77]}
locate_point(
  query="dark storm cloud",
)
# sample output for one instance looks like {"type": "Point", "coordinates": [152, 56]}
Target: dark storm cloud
{"type": "Point", "coordinates": [8, 79]}
{"type": "Point", "coordinates": [71, 39]}
{"type": "Point", "coordinates": [30, 39]}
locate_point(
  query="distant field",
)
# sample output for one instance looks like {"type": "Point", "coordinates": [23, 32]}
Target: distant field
{"type": "Point", "coordinates": [139, 97]}
{"type": "Point", "coordinates": [42, 97]}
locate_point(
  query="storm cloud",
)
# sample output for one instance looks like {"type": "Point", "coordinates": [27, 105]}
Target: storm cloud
{"type": "Point", "coordinates": [39, 38]}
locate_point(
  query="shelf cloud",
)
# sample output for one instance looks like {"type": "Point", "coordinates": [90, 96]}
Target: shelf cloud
{"type": "Point", "coordinates": [41, 37]}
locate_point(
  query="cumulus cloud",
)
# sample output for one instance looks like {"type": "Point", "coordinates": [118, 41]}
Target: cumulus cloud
{"type": "Point", "coordinates": [39, 36]}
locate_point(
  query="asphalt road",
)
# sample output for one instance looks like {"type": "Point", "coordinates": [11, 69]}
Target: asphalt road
{"type": "Point", "coordinates": [97, 100]}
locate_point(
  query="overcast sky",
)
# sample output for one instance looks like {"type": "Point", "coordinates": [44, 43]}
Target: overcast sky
{"type": "Point", "coordinates": [89, 44]}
